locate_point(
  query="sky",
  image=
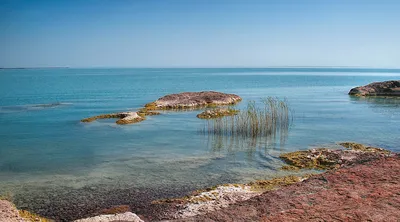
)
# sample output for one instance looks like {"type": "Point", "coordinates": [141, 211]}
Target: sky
{"type": "Point", "coordinates": [199, 33]}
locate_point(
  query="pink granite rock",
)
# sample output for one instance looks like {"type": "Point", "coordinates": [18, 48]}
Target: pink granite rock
{"type": "Point", "coordinates": [387, 88]}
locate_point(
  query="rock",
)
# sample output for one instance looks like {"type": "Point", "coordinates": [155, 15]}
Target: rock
{"type": "Point", "coordinates": [360, 147]}
{"type": "Point", "coordinates": [324, 159]}
{"type": "Point", "coordinates": [217, 113]}
{"type": "Point", "coordinates": [364, 192]}
{"type": "Point", "coordinates": [187, 100]}
{"type": "Point", "coordinates": [124, 117]}
{"type": "Point", "coordinates": [127, 216]}
{"type": "Point", "coordinates": [387, 88]}
{"type": "Point", "coordinates": [8, 212]}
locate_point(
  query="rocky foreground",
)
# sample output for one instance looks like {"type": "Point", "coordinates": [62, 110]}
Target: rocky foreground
{"type": "Point", "coordinates": [362, 184]}
{"type": "Point", "coordinates": [387, 88]}
{"type": "Point", "coordinates": [368, 191]}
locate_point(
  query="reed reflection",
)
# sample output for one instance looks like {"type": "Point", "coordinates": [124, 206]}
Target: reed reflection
{"type": "Point", "coordinates": [262, 125]}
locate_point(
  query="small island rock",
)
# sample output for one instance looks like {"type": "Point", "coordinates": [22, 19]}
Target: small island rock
{"type": "Point", "coordinates": [387, 88]}
{"type": "Point", "coordinates": [187, 100]}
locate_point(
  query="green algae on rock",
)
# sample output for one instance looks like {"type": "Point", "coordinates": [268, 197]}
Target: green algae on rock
{"type": "Point", "coordinates": [187, 100]}
{"type": "Point", "coordinates": [362, 148]}
{"type": "Point", "coordinates": [321, 159]}
{"type": "Point", "coordinates": [217, 113]}
{"type": "Point", "coordinates": [266, 185]}
{"type": "Point", "coordinates": [124, 117]}
{"type": "Point", "coordinates": [325, 159]}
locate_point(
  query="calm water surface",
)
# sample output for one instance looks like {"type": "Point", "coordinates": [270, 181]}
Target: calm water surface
{"type": "Point", "coordinates": [46, 149]}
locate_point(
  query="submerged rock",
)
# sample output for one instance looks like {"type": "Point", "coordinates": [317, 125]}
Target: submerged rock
{"type": "Point", "coordinates": [187, 100]}
{"type": "Point", "coordinates": [217, 113]}
{"type": "Point", "coordinates": [49, 105]}
{"type": "Point", "coordinates": [124, 117]}
{"type": "Point", "coordinates": [324, 159]}
{"type": "Point", "coordinates": [387, 88]}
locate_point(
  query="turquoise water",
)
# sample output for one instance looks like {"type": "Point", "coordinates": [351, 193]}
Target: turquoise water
{"type": "Point", "coordinates": [46, 150]}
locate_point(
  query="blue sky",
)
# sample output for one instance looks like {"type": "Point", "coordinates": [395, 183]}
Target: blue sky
{"type": "Point", "coordinates": [199, 33]}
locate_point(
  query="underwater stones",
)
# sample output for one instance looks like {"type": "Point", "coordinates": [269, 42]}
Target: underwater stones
{"type": "Point", "coordinates": [325, 159]}
{"type": "Point", "coordinates": [49, 105]}
{"type": "Point", "coordinates": [187, 100]}
{"type": "Point", "coordinates": [124, 117]}
{"type": "Point", "coordinates": [217, 113]}
{"type": "Point", "coordinates": [387, 88]}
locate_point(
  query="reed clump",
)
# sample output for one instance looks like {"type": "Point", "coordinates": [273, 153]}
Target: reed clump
{"type": "Point", "coordinates": [273, 116]}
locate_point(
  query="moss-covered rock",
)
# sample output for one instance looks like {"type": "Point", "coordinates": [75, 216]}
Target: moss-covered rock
{"type": "Point", "coordinates": [325, 159]}
{"type": "Point", "coordinates": [311, 159]}
{"type": "Point", "coordinates": [265, 185]}
{"type": "Point", "coordinates": [217, 113]}
{"type": "Point", "coordinates": [362, 148]}
{"type": "Point", "coordinates": [124, 117]}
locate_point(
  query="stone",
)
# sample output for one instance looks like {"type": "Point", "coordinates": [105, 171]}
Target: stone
{"type": "Point", "coordinates": [387, 88]}
{"type": "Point", "coordinates": [217, 113]}
{"type": "Point", "coordinates": [8, 212]}
{"type": "Point", "coordinates": [325, 159]}
{"type": "Point", "coordinates": [124, 117]}
{"type": "Point", "coordinates": [187, 100]}
{"type": "Point", "coordinates": [127, 217]}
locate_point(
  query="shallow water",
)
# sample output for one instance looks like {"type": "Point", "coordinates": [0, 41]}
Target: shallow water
{"type": "Point", "coordinates": [44, 149]}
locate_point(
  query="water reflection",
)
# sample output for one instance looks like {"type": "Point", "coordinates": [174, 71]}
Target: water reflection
{"type": "Point", "coordinates": [389, 101]}
{"type": "Point", "coordinates": [233, 144]}
{"type": "Point", "coordinates": [388, 106]}
{"type": "Point", "coordinates": [259, 126]}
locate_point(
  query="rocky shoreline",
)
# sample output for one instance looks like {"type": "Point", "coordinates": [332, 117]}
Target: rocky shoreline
{"type": "Point", "coordinates": [200, 206]}
{"type": "Point", "coordinates": [374, 172]}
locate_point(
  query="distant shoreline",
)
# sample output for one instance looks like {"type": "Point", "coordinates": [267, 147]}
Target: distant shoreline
{"type": "Point", "coordinates": [308, 68]}
{"type": "Point", "coordinates": [35, 68]}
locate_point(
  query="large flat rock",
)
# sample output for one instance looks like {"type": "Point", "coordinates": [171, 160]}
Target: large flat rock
{"type": "Point", "coordinates": [193, 100]}
{"type": "Point", "coordinates": [366, 192]}
{"type": "Point", "coordinates": [387, 88]}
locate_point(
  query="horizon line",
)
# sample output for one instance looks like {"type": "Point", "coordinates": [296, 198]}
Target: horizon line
{"type": "Point", "coordinates": [195, 67]}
